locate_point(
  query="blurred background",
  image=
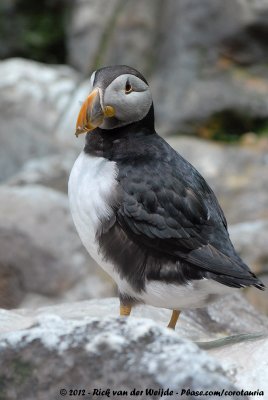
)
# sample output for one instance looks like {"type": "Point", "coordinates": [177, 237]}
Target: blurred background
{"type": "Point", "coordinates": [207, 64]}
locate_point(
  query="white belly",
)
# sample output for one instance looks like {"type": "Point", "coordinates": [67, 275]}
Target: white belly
{"type": "Point", "coordinates": [195, 294]}
{"type": "Point", "coordinates": [92, 181]}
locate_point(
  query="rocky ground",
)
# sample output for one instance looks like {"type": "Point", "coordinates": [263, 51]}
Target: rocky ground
{"type": "Point", "coordinates": [211, 349]}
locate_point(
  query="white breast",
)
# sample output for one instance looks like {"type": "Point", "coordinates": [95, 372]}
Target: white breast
{"type": "Point", "coordinates": [91, 182]}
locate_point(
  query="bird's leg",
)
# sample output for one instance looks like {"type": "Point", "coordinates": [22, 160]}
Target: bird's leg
{"type": "Point", "coordinates": [174, 318]}
{"type": "Point", "coordinates": [124, 310]}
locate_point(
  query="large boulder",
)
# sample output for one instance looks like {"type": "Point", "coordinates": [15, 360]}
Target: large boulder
{"type": "Point", "coordinates": [59, 348]}
{"type": "Point", "coordinates": [104, 358]}
{"type": "Point", "coordinates": [41, 252]}
{"type": "Point", "coordinates": [33, 99]}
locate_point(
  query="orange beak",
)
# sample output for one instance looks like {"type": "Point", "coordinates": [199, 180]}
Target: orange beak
{"type": "Point", "coordinates": [92, 114]}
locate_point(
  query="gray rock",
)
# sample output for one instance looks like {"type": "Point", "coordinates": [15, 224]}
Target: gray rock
{"type": "Point", "coordinates": [217, 321]}
{"type": "Point", "coordinates": [259, 300]}
{"type": "Point", "coordinates": [60, 347]}
{"type": "Point", "coordinates": [250, 239]}
{"type": "Point", "coordinates": [230, 315]}
{"type": "Point", "coordinates": [40, 250]}
{"type": "Point", "coordinates": [133, 36]}
{"type": "Point", "coordinates": [65, 130]}
{"type": "Point", "coordinates": [52, 171]}
{"type": "Point", "coordinates": [247, 363]}
{"type": "Point", "coordinates": [88, 30]}
{"type": "Point", "coordinates": [95, 285]}
{"type": "Point", "coordinates": [101, 33]}
{"type": "Point", "coordinates": [199, 75]}
{"type": "Point", "coordinates": [33, 98]}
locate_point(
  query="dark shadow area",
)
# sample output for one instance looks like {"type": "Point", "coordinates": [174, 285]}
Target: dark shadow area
{"type": "Point", "coordinates": [247, 47]}
{"type": "Point", "coordinates": [33, 29]}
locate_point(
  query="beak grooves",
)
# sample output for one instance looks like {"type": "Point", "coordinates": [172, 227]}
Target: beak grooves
{"type": "Point", "coordinates": [91, 114]}
{"type": "Point", "coordinates": [84, 120]}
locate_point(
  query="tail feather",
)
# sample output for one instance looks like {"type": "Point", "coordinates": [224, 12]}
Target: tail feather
{"type": "Point", "coordinates": [251, 280]}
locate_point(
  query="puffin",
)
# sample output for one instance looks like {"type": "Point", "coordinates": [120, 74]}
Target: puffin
{"type": "Point", "coordinates": [143, 212]}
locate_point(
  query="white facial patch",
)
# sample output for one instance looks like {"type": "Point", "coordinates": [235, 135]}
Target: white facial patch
{"type": "Point", "coordinates": [129, 107]}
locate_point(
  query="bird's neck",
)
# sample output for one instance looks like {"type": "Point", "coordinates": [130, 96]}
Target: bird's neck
{"type": "Point", "coordinates": [124, 142]}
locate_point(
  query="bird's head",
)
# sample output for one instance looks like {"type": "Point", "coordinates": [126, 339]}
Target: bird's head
{"type": "Point", "coordinates": [119, 95]}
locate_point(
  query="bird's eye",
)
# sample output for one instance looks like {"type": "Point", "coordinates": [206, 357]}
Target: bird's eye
{"type": "Point", "coordinates": [128, 87]}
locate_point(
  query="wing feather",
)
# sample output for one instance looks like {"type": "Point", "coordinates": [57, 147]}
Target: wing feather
{"type": "Point", "coordinates": [168, 207]}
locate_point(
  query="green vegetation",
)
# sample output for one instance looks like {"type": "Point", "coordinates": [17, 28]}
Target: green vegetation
{"type": "Point", "coordinates": [20, 371]}
{"type": "Point", "coordinates": [229, 126]}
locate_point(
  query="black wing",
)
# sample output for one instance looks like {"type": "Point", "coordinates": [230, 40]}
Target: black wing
{"type": "Point", "coordinates": [166, 206]}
